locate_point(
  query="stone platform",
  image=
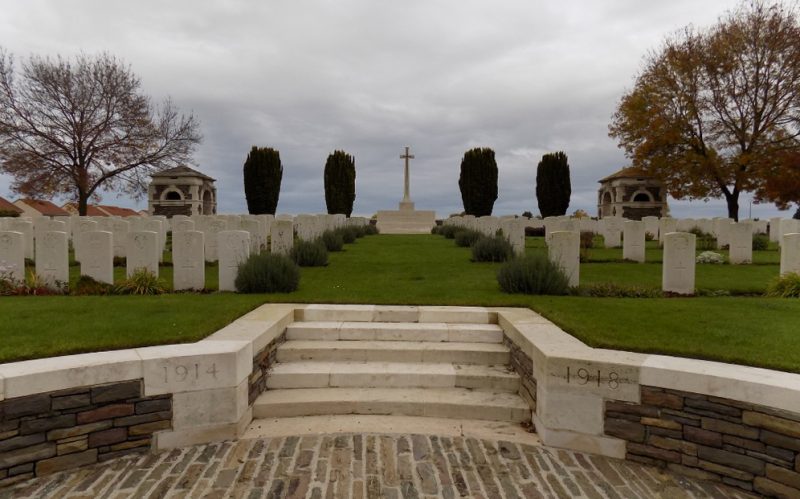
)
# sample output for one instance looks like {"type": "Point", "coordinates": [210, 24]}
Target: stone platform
{"type": "Point", "coordinates": [368, 465]}
{"type": "Point", "coordinates": [406, 220]}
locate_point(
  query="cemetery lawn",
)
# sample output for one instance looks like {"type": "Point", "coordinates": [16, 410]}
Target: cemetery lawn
{"type": "Point", "coordinates": [431, 270]}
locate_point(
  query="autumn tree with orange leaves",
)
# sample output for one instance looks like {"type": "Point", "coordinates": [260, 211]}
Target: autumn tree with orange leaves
{"type": "Point", "coordinates": [714, 112]}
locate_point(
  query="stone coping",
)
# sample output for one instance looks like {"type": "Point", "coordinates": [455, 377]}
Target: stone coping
{"type": "Point", "coordinates": [573, 379]}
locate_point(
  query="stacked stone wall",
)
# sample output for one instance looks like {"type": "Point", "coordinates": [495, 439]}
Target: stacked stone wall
{"type": "Point", "coordinates": [54, 431]}
{"type": "Point", "coordinates": [523, 365]}
{"type": "Point", "coordinates": [262, 362]}
{"type": "Point", "coordinates": [751, 447]}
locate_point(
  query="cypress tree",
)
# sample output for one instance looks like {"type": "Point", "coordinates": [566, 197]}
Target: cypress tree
{"type": "Point", "coordinates": [478, 181]}
{"type": "Point", "coordinates": [553, 188]}
{"type": "Point", "coordinates": [262, 180]}
{"type": "Point", "coordinates": [340, 183]}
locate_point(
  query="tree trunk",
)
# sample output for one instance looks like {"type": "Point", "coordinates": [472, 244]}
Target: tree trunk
{"type": "Point", "coordinates": [733, 205]}
{"type": "Point", "coordinates": [83, 202]}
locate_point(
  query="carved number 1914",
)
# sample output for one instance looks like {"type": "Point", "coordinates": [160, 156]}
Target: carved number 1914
{"type": "Point", "coordinates": [583, 377]}
{"type": "Point", "coordinates": [193, 371]}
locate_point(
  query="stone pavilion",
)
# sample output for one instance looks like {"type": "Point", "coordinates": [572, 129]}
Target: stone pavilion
{"type": "Point", "coordinates": [632, 194]}
{"type": "Point", "coordinates": [181, 191]}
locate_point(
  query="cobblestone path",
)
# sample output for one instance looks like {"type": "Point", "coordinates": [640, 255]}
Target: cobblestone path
{"type": "Point", "coordinates": [367, 466]}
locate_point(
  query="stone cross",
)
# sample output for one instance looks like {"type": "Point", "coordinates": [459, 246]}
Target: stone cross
{"type": "Point", "coordinates": [407, 189]}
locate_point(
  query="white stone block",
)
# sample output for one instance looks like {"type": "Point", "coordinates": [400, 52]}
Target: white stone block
{"type": "Point", "coordinates": [59, 373]}
{"type": "Point", "coordinates": [192, 367]}
{"type": "Point", "coordinates": [208, 407]}
{"type": "Point", "coordinates": [188, 259]}
{"type": "Point", "coordinates": [514, 232]}
{"type": "Point", "coordinates": [722, 230]}
{"type": "Point", "coordinates": [212, 229]}
{"type": "Point", "coordinates": [120, 229]}
{"type": "Point", "coordinates": [740, 240]}
{"type": "Point", "coordinates": [790, 254]}
{"type": "Point", "coordinates": [651, 226]}
{"type": "Point", "coordinates": [142, 252]}
{"type": "Point", "coordinates": [234, 249]}
{"type": "Point", "coordinates": [678, 269]}
{"type": "Point", "coordinates": [97, 261]}
{"type": "Point", "coordinates": [775, 229]}
{"type": "Point", "coordinates": [563, 249]}
{"type": "Point", "coordinates": [633, 247]}
{"type": "Point", "coordinates": [563, 410]}
{"type": "Point", "coordinates": [52, 258]}
{"type": "Point", "coordinates": [79, 226]}
{"type": "Point", "coordinates": [12, 255]}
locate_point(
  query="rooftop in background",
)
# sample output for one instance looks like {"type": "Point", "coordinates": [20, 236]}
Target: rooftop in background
{"type": "Point", "coordinates": [38, 206]}
{"type": "Point", "coordinates": [8, 206]}
{"type": "Point", "coordinates": [101, 210]}
{"type": "Point", "coordinates": [182, 171]}
{"type": "Point", "coordinates": [628, 172]}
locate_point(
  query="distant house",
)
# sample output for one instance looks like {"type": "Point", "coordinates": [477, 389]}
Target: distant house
{"type": "Point", "coordinates": [8, 209]}
{"type": "Point", "coordinates": [632, 194]}
{"type": "Point", "coordinates": [100, 210]}
{"type": "Point", "coordinates": [39, 208]}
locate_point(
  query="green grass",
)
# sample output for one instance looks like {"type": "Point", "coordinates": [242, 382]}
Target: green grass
{"type": "Point", "coordinates": [44, 326]}
{"type": "Point", "coordinates": [431, 270]}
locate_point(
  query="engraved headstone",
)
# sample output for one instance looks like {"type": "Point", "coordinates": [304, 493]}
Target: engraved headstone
{"type": "Point", "coordinates": [254, 229]}
{"type": "Point", "coordinates": [188, 259]}
{"type": "Point", "coordinates": [633, 247]}
{"type": "Point", "coordinates": [142, 252]}
{"type": "Point", "coordinates": [651, 226]}
{"type": "Point", "coordinates": [12, 255]}
{"type": "Point", "coordinates": [212, 230]}
{"type": "Point", "coordinates": [563, 249]}
{"type": "Point", "coordinates": [790, 254]}
{"type": "Point", "coordinates": [52, 258]}
{"type": "Point", "coordinates": [83, 224]}
{"type": "Point", "coordinates": [740, 239]}
{"type": "Point", "coordinates": [678, 269]}
{"type": "Point", "coordinates": [234, 249]}
{"type": "Point", "coordinates": [183, 225]}
{"type": "Point", "coordinates": [120, 229]}
{"type": "Point", "coordinates": [514, 231]}
{"type": "Point", "coordinates": [665, 226]}
{"type": "Point", "coordinates": [26, 228]}
{"type": "Point", "coordinates": [281, 237]}
{"type": "Point", "coordinates": [98, 255]}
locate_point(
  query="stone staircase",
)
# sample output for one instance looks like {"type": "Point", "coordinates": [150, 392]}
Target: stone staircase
{"type": "Point", "coordinates": [439, 370]}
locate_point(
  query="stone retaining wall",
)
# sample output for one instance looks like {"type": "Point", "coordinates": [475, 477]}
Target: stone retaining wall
{"type": "Point", "coordinates": [523, 365]}
{"type": "Point", "coordinates": [53, 431]}
{"type": "Point", "coordinates": [262, 362]}
{"type": "Point", "coordinates": [748, 446]}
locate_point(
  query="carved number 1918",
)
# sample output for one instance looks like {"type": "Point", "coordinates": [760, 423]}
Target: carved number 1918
{"type": "Point", "coordinates": [583, 377]}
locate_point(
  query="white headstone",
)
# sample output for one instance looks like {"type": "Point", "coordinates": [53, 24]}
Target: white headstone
{"type": "Point", "coordinates": [120, 228]}
{"type": "Point", "coordinates": [722, 231]}
{"type": "Point", "coordinates": [611, 228]}
{"type": "Point", "coordinates": [633, 243]}
{"type": "Point", "coordinates": [788, 226]}
{"type": "Point", "coordinates": [651, 226]}
{"type": "Point", "coordinates": [564, 249]}
{"type": "Point", "coordinates": [281, 237]}
{"type": "Point", "coordinates": [182, 225]}
{"type": "Point", "coordinates": [665, 226]}
{"type": "Point", "coordinates": [514, 231]}
{"type": "Point", "coordinates": [79, 226]}
{"type": "Point", "coordinates": [142, 251]}
{"type": "Point", "coordinates": [253, 227]}
{"type": "Point", "coordinates": [12, 255]}
{"type": "Point", "coordinates": [234, 249]}
{"type": "Point", "coordinates": [677, 274]}
{"type": "Point", "coordinates": [740, 240]}
{"type": "Point", "coordinates": [26, 228]}
{"type": "Point", "coordinates": [52, 257]}
{"type": "Point", "coordinates": [97, 250]}
{"type": "Point", "coordinates": [775, 229]}
{"type": "Point", "coordinates": [188, 259]}
{"type": "Point", "coordinates": [212, 230]}
{"type": "Point", "coordinates": [790, 254]}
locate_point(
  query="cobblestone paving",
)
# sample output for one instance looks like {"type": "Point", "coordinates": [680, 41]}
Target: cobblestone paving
{"type": "Point", "coordinates": [367, 466]}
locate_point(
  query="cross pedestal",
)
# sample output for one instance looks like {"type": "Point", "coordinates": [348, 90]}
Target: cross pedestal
{"type": "Point", "coordinates": [406, 220]}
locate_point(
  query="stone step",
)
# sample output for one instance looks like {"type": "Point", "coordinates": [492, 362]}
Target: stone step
{"type": "Point", "coordinates": [393, 351]}
{"type": "Point", "coordinates": [311, 374]}
{"type": "Point", "coordinates": [450, 403]}
{"type": "Point", "coordinates": [395, 331]}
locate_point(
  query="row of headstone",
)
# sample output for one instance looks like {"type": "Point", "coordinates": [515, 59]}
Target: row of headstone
{"type": "Point", "coordinates": [511, 228]}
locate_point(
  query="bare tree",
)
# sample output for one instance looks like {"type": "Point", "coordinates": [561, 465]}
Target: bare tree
{"type": "Point", "coordinates": [74, 128]}
{"type": "Point", "coordinates": [712, 111]}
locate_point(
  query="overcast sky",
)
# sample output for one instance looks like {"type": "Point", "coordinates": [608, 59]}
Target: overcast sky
{"type": "Point", "coordinates": [307, 77]}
